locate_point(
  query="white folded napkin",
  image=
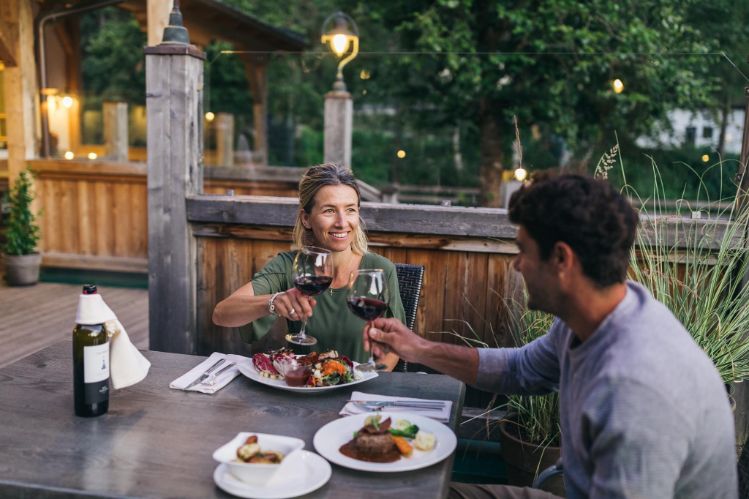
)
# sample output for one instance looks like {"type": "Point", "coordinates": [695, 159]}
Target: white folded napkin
{"type": "Point", "coordinates": [441, 414]}
{"type": "Point", "coordinates": [224, 377]}
{"type": "Point", "coordinates": [127, 365]}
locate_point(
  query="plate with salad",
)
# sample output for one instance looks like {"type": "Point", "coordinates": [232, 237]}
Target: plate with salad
{"type": "Point", "coordinates": [311, 373]}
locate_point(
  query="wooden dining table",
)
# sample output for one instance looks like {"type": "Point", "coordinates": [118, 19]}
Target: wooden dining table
{"type": "Point", "coordinates": [158, 442]}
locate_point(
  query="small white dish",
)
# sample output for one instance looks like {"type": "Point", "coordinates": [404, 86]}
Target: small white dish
{"type": "Point", "coordinates": [306, 472]}
{"type": "Point", "coordinates": [251, 473]}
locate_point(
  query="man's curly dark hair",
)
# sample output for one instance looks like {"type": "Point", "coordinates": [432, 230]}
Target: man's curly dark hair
{"type": "Point", "coordinates": [590, 215]}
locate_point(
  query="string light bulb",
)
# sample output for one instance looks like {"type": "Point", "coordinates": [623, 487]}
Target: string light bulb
{"type": "Point", "coordinates": [618, 86]}
{"type": "Point", "coordinates": [520, 174]}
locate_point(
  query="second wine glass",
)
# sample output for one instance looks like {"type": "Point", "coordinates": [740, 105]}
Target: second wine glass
{"type": "Point", "coordinates": [368, 299]}
{"type": "Point", "coordinates": [312, 274]}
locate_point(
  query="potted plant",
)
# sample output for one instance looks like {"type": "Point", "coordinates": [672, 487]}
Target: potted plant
{"type": "Point", "coordinates": [530, 434]}
{"type": "Point", "coordinates": [22, 261]}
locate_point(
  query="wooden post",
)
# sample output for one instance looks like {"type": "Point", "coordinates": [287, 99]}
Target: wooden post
{"type": "Point", "coordinates": [339, 119]}
{"type": "Point", "coordinates": [224, 124]}
{"type": "Point", "coordinates": [115, 130]}
{"type": "Point", "coordinates": [255, 68]}
{"type": "Point", "coordinates": [158, 18]}
{"type": "Point", "coordinates": [20, 84]}
{"type": "Point", "coordinates": [174, 87]}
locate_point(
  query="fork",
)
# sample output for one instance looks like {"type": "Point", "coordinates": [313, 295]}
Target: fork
{"type": "Point", "coordinates": [212, 377]}
{"type": "Point", "coordinates": [205, 374]}
{"type": "Point", "coordinates": [416, 405]}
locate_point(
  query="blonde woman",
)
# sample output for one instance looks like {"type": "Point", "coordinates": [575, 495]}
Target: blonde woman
{"type": "Point", "coordinates": [328, 217]}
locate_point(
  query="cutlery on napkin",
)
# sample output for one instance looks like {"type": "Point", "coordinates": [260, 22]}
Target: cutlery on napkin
{"type": "Point", "coordinates": [368, 402]}
{"type": "Point", "coordinates": [219, 368]}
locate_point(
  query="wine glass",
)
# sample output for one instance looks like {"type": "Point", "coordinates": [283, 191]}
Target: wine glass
{"type": "Point", "coordinates": [368, 299]}
{"type": "Point", "coordinates": [312, 274]}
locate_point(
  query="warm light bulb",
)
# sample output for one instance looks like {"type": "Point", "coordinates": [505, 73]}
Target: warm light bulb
{"type": "Point", "coordinates": [618, 86]}
{"type": "Point", "coordinates": [69, 155]}
{"type": "Point", "coordinates": [705, 158]}
{"type": "Point", "coordinates": [520, 174]}
{"type": "Point", "coordinates": [92, 155]}
{"type": "Point", "coordinates": [364, 74]}
{"type": "Point", "coordinates": [67, 102]}
{"type": "Point", "coordinates": [209, 116]}
{"type": "Point", "coordinates": [401, 153]}
{"type": "Point", "coordinates": [339, 44]}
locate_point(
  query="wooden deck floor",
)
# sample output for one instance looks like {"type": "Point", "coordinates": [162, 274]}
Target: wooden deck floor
{"type": "Point", "coordinates": [34, 317]}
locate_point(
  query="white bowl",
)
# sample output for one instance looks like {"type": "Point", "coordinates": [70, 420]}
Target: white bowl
{"type": "Point", "coordinates": [256, 474]}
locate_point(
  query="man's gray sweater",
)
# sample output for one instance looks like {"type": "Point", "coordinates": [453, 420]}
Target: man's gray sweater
{"type": "Point", "coordinates": [644, 413]}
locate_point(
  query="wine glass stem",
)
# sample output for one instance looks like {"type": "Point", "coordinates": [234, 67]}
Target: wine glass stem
{"type": "Point", "coordinates": [302, 333]}
{"type": "Point", "coordinates": [371, 351]}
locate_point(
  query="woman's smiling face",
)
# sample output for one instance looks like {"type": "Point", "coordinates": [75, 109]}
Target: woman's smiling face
{"type": "Point", "coordinates": [334, 217]}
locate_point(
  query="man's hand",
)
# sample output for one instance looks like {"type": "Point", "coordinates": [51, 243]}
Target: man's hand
{"type": "Point", "coordinates": [391, 335]}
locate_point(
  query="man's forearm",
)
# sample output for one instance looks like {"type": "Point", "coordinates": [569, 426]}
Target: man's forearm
{"type": "Point", "coordinates": [457, 361]}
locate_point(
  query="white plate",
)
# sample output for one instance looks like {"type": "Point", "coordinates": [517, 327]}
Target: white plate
{"type": "Point", "coordinates": [333, 435]}
{"type": "Point", "coordinates": [314, 472]}
{"type": "Point", "coordinates": [248, 369]}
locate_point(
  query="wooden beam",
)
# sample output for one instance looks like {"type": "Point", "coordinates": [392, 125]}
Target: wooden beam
{"type": "Point", "coordinates": [20, 86]}
{"type": "Point", "coordinates": [7, 52]}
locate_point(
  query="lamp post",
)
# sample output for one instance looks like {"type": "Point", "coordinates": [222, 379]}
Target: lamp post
{"type": "Point", "coordinates": [339, 31]}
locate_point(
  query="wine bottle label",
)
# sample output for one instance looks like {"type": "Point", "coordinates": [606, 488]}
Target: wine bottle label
{"type": "Point", "coordinates": [96, 363]}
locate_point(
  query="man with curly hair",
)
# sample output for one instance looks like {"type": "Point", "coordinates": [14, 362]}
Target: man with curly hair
{"type": "Point", "coordinates": [643, 410]}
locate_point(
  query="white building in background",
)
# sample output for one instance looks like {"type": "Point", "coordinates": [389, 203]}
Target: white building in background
{"type": "Point", "coordinates": [698, 129]}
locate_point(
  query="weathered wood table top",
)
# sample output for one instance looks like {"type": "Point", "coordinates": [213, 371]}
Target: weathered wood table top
{"type": "Point", "coordinates": [158, 442]}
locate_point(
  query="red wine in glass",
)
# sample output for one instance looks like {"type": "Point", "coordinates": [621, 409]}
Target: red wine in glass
{"type": "Point", "coordinates": [367, 298]}
{"type": "Point", "coordinates": [312, 285]}
{"type": "Point", "coordinates": [367, 309]}
{"type": "Point", "coordinates": [312, 274]}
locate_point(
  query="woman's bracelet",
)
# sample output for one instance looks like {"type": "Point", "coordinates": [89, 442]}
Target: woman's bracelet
{"type": "Point", "coordinates": [271, 305]}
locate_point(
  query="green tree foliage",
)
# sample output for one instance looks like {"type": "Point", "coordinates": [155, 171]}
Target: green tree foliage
{"type": "Point", "coordinates": [22, 232]}
{"type": "Point", "coordinates": [113, 62]}
{"type": "Point", "coordinates": [551, 64]}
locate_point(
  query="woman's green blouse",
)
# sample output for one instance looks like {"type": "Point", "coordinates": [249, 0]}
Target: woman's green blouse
{"type": "Point", "coordinates": [332, 323]}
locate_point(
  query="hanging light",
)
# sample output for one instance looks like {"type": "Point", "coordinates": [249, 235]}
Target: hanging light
{"type": "Point", "coordinates": [67, 102]}
{"type": "Point", "coordinates": [520, 174]}
{"type": "Point", "coordinates": [401, 154]}
{"type": "Point", "coordinates": [617, 85]}
{"type": "Point", "coordinates": [69, 155]}
{"type": "Point", "coordinates": [209, 116]}
{"type": "Point", "coordinates": [342, 35]}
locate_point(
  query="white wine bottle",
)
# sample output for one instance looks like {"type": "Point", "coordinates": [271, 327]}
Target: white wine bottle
{"type": "Point", "coordinates": [90, 365]}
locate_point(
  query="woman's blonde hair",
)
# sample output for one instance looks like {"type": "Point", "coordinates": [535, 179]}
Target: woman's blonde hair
{"type": "Point", "coordinates": [312, 181]}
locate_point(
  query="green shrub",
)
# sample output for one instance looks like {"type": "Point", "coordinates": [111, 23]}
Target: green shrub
{"type": "Point", "coordinates": [22, 232]}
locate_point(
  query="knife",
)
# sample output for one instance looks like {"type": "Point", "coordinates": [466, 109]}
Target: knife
{"type": "Point", "coordinates": [424, 404]}
{"type": "Point", "coordinates": [205, 374]}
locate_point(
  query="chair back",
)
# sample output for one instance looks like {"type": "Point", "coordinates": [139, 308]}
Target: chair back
{"type": "Point", "coordinates": [410, 280]}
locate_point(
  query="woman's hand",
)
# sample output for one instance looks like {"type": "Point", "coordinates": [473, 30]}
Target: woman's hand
{"type": "Point", "coordinates": [293, 305]}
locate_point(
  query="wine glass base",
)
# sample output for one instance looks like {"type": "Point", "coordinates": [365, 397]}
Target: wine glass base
{"type": "Point", "coordinates": [301, 340]}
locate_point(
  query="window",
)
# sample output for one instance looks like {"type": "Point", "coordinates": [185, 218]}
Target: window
{"type": "Point", "coordinates": [690, 136]}
{"type": "Point", "coordinates": [707, 132]}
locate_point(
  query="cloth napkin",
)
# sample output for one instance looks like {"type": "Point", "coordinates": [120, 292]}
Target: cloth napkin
{"type": "Point", "coordinates": [127, 365]}
{"type": "Point", "coordinates": [221, 380]}
{"type": "Point", "coordinates": [442, 415]}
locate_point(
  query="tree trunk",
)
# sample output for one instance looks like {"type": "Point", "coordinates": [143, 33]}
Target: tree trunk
{"type": "Point", "coordinates": [491, 158]}
{"type": "Point", "coordinates": [724, 112]}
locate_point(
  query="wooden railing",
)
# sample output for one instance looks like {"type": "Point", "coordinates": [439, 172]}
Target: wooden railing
{"type": "Point", "coordinates": [94, 214]}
